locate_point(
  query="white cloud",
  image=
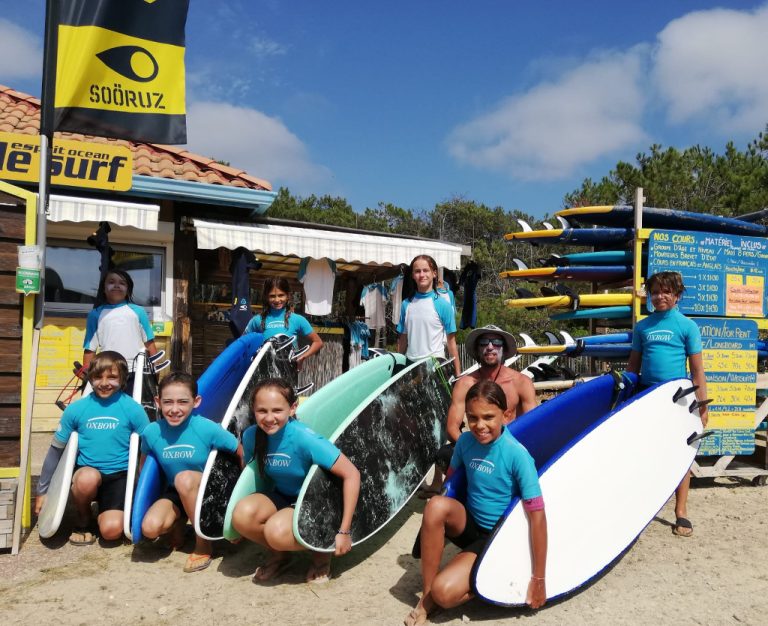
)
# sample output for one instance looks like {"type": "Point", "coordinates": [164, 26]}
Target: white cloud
{"type": "Point", "coordinates": [259, 144]}
{"type": "Point", "coordinates": [546, 133]}
{"type": "Point", "coordinates": [21, 55]}
{"type": "Point", "coordinates": [713, 66]}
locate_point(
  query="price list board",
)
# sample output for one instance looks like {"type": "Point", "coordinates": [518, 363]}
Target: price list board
{"type": "Point", "coordinates": [730, 363]}
{"type": "Point", "coordinates": [724, 275]}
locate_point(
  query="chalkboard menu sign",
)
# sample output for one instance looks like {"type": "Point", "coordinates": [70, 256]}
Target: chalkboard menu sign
{"type": "Point", "coordinates": [724, 275]}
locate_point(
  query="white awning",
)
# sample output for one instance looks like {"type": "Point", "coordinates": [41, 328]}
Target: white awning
{"type": "Point", "coordinates": [318, 244]}
{"type": "Point", "coordinates": [72, 209]}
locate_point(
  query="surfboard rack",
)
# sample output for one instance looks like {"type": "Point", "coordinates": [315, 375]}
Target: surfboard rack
{"type": "Point", "coordinates": [694, 437]}
{"type": "Point", "coordinates": [681, 393]}
{"type": "Point", "coordinates": [698, 403]}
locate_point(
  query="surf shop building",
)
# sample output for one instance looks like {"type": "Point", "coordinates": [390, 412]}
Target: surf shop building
{"type": "Point", "coordinates": [174, 228]}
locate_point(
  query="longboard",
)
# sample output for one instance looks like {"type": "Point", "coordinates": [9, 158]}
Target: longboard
{"type": "Point", "coordinates": [595, 512]}
{"type": "Point", "coordinates": [607, 312]}
{"type": "Point", "coordinates": [603, 350]}
{"type": "Point", "coordinates": [222, 470]}
{"type": "Point", "coordinates": [600, 257]}
{"type": "Point", "coordinates": [600, 273]}
{"type": "Point", "coordinates": [653, 217]}
{"type": "Point", "coordinates": [392, 438]}
{"type": "Point", "coordinates": [55, 504]}
{"type": "Point", "coordinates": [561, 302]}
{"type": "Point", "coordinates": [216, 386]}
{"type": "Point", "coordinates": [133, 446]}
{"type": "Point", "coordinates": [574, 236]}
{"type": "Point", "coordinates": [323, 412]}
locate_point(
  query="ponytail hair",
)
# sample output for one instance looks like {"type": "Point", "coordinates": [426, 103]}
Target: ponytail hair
{"type": "Point", "coordinates": [261, 439]}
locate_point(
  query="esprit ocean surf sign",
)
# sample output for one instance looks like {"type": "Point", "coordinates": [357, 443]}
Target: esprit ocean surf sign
{"type": "Point", "coordinates": [120, 69]}
{"type": "Point", "coordinates": [73, 163]}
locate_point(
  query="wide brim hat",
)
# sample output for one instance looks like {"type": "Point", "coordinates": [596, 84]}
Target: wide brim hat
{"type": "Point", "coordinates": [510, 345]}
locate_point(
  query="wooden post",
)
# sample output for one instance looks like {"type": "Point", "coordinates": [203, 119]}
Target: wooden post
{"type": "Point", "coordinates": [183, 279]}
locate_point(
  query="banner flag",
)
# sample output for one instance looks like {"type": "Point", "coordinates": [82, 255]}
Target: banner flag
{"type": "Point", "coordinates": [120, 69]}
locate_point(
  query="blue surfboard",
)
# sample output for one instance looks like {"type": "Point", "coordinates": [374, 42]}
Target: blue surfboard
{"type": "Point", "coordinates": [574, 236]}
{"type": "Point", "coordinates": [605, 312]}
{"type": "Point", "coordinates": [216, 386]}
{"type": "Point", "coordinates": [602, 257]}
{"type": "Point", "coordinates": [672, 219]}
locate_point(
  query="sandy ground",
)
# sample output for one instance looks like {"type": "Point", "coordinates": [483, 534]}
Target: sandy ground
{"type": "Point", "coordinates": [720, 576]}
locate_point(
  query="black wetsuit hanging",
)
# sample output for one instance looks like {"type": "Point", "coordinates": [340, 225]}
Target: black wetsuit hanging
{"type": "Point", "coordinates": [240, 314]}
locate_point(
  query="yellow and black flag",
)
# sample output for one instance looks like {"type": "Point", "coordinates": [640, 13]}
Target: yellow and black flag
{"type": "Point", "coordinates": [120, 69]}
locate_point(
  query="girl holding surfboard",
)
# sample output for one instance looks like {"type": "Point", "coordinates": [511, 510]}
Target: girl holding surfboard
{"type": "Point", "coordinates": [181, 443]}
{"type": "Point", "coordinates": [427, 321]}
{"type": "Point", "coordinates": [498, 468]}
{"type": "Point", "coordinates": [285, 450]}
{"type": "Point", "coordinates": [278, 318]}
{"type": "Point", "coordinates": [103, 421]}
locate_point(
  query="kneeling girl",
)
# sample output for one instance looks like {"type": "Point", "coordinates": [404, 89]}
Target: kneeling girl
{"type": "Point", "coordinates": [285, 450]}
{"type": "Point", "coordinates": [181, 443]}
{"type": "Point", "coordinates": [498, 468]}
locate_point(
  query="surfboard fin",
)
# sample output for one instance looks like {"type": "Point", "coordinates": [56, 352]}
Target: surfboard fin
{"type": "Point", "coordinates": [552, 338]}
{"type": "Point", "coordinates": [524, 293]}
{"type": "Point", "coordinates": [564, 223]}
{"type": "Point", "coordinates": [698, 403]}
{"type": "Point", "coordinates": [694, 437]}
{"type": "Point", "coordinates": [301, 390]}
{"type": "Point", "coordinates": [527, 341]}
{"type": "Point", "coordinates": [519, 263]}
{"type": "Point", "coordinates": [525, 226]}
{"type": "Point", "coordinates": [548, 226]}
{"type": "Point", "coordinates": [295, 354]}
{"type": "Point", "coordinates": [568, 339]}
{"type": "Point", "coordinates": [681, 393]}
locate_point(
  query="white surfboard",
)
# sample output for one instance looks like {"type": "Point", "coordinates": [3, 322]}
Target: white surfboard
{"type": "Point", "coordinates": [51, 514]}
{"type": "Point", "coordinates": [600, 494]}
{"type": "Point", "coordinates": [133, 446]}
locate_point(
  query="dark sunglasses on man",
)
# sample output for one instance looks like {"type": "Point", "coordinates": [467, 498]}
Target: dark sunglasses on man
{"type": "Point", "coordinates": [496, 343]}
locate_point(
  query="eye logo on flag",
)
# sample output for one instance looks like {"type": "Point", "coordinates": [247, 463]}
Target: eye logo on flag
{"type": "Point", "coordinates": [120, 69]}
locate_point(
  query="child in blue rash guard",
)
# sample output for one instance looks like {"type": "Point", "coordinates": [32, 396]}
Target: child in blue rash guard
{"type": "Point", "coordinates": [498, 469]}
{"type": "Point", "coordinates": [277, 317]}
{"type": "Point", "coordinates": [181, 443]}
{"type": "Point", "coordinates": [285, 450]}
{"type": "Point", "coordinates": [427, 321]}
{"type": "Point", "coordinates": [661, 344]}
{"type": "Point", "coordinates": [104, 421]}
{"type": "Point", "coordinates": [118, 324]}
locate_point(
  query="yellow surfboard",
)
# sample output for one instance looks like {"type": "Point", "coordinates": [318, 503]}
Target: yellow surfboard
{"type": "Point", "coordinates": [562, 302]}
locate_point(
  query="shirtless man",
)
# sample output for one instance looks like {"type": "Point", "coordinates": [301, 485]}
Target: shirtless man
{"type": "Point", "coordinates": [490, 346]}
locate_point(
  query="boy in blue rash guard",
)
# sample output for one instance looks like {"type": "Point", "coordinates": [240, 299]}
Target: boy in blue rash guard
{"type": "Point", "coordinates": [427, 323]}
{"type": "Point", "coordinates": [277, 318]}
{"type": "Point", "coordinates": [285, 450]}
{"type": "Point", "coordinates": [498, 469]}
{"type": "Point", "coordinates": [104, 421]}
{"type": "Point", "coordinates": [181, 443]}
{"type": "Point", "coordinates": [117, 323]}
{"type": "Point", "coordinates": [661, 344]}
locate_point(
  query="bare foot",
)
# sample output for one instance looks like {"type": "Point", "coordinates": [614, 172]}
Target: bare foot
{"type": "Point", "coordinates": [420, 613]}
{"type": "Point", "coordinates": [275, 565]}
{"type": "Point", "coordinates": [320, 570]}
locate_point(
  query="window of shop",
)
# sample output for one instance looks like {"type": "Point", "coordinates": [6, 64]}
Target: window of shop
{"type": "Point", "coordinates": [72, 275]}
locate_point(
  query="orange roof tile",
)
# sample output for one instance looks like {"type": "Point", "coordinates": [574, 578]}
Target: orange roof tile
{"type": "Point", "coordinates": [20, 113]}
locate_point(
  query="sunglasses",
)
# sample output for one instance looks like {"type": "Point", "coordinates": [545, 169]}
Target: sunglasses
{"type": "Point", "coordinates": [496, 343]}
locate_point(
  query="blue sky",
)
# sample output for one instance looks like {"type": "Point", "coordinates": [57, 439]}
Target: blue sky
{"type": "Point", "coordinates": [510, 104]}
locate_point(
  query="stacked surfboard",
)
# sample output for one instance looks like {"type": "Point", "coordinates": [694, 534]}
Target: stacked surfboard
{"type": "Point", "coordinates": [609, 230]}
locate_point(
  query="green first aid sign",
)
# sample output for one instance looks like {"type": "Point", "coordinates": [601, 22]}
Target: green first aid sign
{"type": "Point", "coordinates": [27, 281]}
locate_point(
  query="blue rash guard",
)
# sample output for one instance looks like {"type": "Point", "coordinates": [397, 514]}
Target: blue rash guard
{"type": "Point", "coordinates": [496, 473]}
{"type": "Point", "coordinates": [665, 340]}
{"type": "Point", "coordinates": [186, 446]}
{"type": "Point", "coordinates": [291, 452]}
{"type": "Point", "coordinates": [298, 326]}
{"type": "Point", "coordinates": [104, 427]}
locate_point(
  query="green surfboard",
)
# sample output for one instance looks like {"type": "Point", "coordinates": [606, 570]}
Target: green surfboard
{"type": "Point", "coordinates": [324, 411]}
